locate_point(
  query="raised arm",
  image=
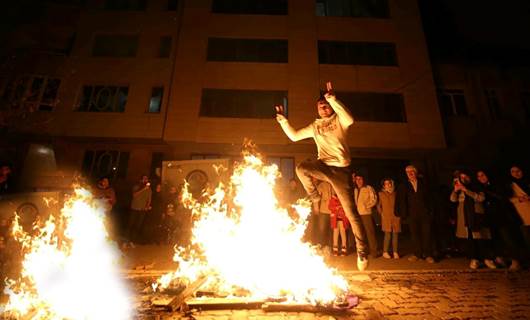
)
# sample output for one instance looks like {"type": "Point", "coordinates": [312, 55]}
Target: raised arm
{"type": "Point", "coordinates": [292, 133]}
{"type": "Point", "coordinates": [344, 115]}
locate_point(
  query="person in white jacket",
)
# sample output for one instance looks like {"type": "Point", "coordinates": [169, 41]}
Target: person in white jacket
{"type": "Point", "coordinates": [330, 133]}
{"type": "Point", "coordinates": [366, 199]}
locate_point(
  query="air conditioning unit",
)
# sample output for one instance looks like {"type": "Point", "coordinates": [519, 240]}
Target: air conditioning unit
{"type": "Point", "coordinates": [199, 174]}
{"type": "Point", "coordinates": [29, 206]}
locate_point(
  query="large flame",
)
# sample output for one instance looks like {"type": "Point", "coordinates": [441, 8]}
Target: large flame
{"type": "Point", "coordinates": [70, 268]}
{"type": "Point", "coordinates": [244, 242]}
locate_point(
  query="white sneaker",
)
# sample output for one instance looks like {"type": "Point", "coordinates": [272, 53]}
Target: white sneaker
{"type": "Point", "coordinates": [490, 264]}
{"type": "Point", "coordinates": [362, 263]}
{"type": "Point", "coordinates": [386, 255]}
{"type": "Point", "coordinates": [515, 266]}
{"type": "Point", "coordinates": [474, 264]}
{"type": "Point", "coordinates": [396, 255]}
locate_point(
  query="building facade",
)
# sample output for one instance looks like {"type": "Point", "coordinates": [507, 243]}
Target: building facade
{"type": "Point", "coordinates": [144, 81]}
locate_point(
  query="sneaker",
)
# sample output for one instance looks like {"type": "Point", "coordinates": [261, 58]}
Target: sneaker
{"type": "Point", "coordinates": [362, 263]}
{"type": "Point", "coordinates": [335, 251]}
{"type": "Point", "coordinates": [430, 260]}
{"type": "Point", "coordinates": [386, 255]}
{"type": "Point", "coordinates": [515, 266]}
{"type": "Point", "coordinates": [474, 264]}
{"type": "Point", "coordinates": [344, 251]}
{"type": "Point", "coordinates": [413, 258]}
{"type": "Point", "coordinates": [490, 264]}
{"type": "Point", "coordinates": [396, 255]}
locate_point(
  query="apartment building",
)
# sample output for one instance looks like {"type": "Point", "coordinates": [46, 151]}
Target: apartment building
{"type": "Point", "coordinates": [140, 81]}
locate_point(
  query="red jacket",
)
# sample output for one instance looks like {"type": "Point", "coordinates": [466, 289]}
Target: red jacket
{"type": "Point", "coordinates": [337, 213]}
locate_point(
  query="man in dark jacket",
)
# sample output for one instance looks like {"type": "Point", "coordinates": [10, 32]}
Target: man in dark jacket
{"type": "Point", "coordinates": [414, 203]}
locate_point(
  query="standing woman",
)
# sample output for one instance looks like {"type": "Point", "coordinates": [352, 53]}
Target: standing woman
{"type": "Point", "coordinates": [521, 200]}
{"type": "Point", "coordinates": [471, 219]}
{"type": "Point", "coordinates": [391, 224]}
{"type": "Point", "coordinates": [502, 220]}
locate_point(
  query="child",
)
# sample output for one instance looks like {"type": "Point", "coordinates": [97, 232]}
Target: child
{"type": "Point", "coordinates": [339, 223]}
{"type": "Point", "coordinates": [391, 224]}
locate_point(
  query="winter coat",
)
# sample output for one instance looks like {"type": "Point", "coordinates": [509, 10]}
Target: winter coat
{"type": "Point", "coordinates": [387, 208]}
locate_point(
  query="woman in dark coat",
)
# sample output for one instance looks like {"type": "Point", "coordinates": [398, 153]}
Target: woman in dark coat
{"type": "Point", "coordinates": [502, 219]}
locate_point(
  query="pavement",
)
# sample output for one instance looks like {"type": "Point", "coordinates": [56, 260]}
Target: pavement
{"type": "Point", "coordinates": [389, 289]}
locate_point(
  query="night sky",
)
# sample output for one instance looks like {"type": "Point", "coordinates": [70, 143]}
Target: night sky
{"type": "Point", "coordinates": [477, 30]}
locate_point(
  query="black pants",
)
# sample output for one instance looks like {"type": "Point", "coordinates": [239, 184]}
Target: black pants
{"type": "Point", "coordinates": [135, 225]}
{"type": "Point", "coordinates": [505, 242]}
{"type": "Point", "coordinates": [420, 231]}
{"type": "Point", "coordinates": [478, 249]}
{"type": "Point", "coordinates": [340, 180]}
{"type": "Point", "coordinates": [321, 229]}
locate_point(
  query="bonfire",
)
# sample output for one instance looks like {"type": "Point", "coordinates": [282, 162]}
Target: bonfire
{"type": "Point", "coordinates": [69, 268]}
{"type": "Point", "coordinates": [245, 244]}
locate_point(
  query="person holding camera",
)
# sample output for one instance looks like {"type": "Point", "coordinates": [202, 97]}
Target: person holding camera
{"type": "Point", "coordinates": [330, 133]}
{"type": "Point", "coordinates": [471, 222]}
{"type": "Point", "coordinates": [140, 205]}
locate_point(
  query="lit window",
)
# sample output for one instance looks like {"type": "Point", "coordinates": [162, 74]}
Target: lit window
{"type": "Point", "coordinates": [155, 103]}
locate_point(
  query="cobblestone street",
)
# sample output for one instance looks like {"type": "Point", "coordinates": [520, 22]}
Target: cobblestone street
{"type": "Point", "coordinates": [417, 295]}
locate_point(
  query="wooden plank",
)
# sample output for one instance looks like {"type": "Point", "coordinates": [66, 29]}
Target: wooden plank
{"type": "Point", "coordinates": [224, 304]}
{"type": "Point", "coordinates": [180, 299]}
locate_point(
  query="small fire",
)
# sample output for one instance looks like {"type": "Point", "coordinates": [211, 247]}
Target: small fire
{"type": "Point", "coordinates": [69, 268]}
{"type": "Point", "coordinates": [243, 241]}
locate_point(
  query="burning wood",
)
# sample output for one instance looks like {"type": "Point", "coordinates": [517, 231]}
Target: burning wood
{"type": "Point", "coordinates": [243, 239]}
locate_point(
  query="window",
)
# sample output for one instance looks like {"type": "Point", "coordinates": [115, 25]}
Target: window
{"type": "Point", "coordinates": [241, 103]}
{"type": "Point", "coordinates": [164, 50]}
{"type": "Point", "coordinates": [247, 50]}
{"type": "Point", "coordinates": [37, 93]}
{"type": "Point", "coordinates": [266, 7]}
{"type": "Point", "coordinates": [126, 5]}
{"type": "Point", "coordinates": [172, 5]}
{"type": "Point", "coordinates": [357, 53]}
{"type": "Point", "coordinates": [353, 8]}
{"type": "Point", "coordinates": [526, 103]}
{"type": "Point", "coordinates": [105, 163]}
{"type": "Point", "coordinates": [103, 99]}
{"type": "Point", "coordinates": [115, 46]}
{"type": "Point", "coordinates": [492, 101]}
{"type": "Point", "coordinates": [375, 107]}
{"type": "Point", "coordinates": [155, 103]}
{"type": "Point", "coordinates": [452, 102]}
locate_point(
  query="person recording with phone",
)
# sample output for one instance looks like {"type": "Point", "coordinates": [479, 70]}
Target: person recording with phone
{"type": "Point", "coordinates": [140, 205]}
{"type": "Point", "coordinates": [330, 133]}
